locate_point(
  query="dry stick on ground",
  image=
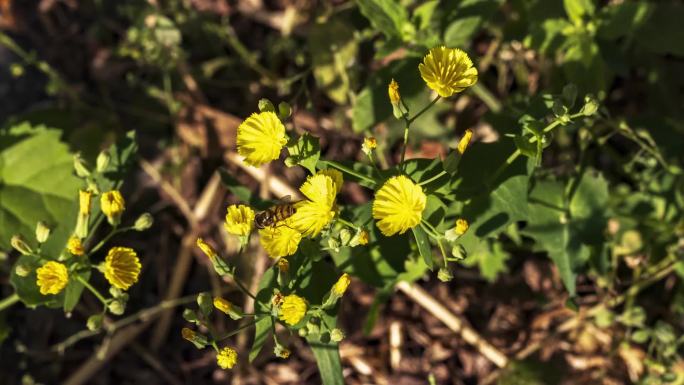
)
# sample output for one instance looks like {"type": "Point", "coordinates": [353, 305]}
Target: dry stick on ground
{"type": "Point", "coordinates": [413, 291]}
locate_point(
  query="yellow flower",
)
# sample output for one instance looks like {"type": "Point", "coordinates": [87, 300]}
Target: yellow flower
{"type": "Point", "coordinates": [279, 241]}
{"type": "Point", "coordinates": [335, 175]}
{"type": "Point", "coordinates": [315, 212]}
{"type": "Point", "coordinates": [363, 237]}
{"type": "Point", "coordinates": [226, 358]}
{"type": "Point", "coordinates": [52, 277]}
{"type": "Point", "coordinates": [207, 249]}
{"type": "Point", "coordinates": [292, 309]}
{"type": "Point", "coordinates": [84, 199]}
{"type": "Point", "coordinates": [393, 91]}
{"type": "Point", "coordinates": [461, 226]}
{"type": "Point", "coordinates": [121, 267]}
{"type": "Point", "coordinates": [465, 140]}
{"type": "Point", "coordinates": [447, 71]}
{"type": "Point", "coordinates": [112, 205]}
{"type": "Point", "coordinates": [260, 138]}
{"type": "Point", "coordinates": [222, 305]}
{"type": "Point", "coordinates": [341, 285]}
{"type": "Point", "coordinates": [369, 144]}
{"type": "Point", "coordinates": [239, 220]}
{"type": "Point", "coordinates": [74, 246]}
{"type": "Point", "coordinates": [188, 334]}
{"type": "Point", "coordinates": [398, 205]}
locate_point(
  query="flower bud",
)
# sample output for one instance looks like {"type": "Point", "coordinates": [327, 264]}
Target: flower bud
{"type": "Point", "coordinates": [281, 351]}
{"type": "Point", "coordinates": [22, 270]}
{"type": "Point", "coordinates": [395, 98]}
{"type": "Point", "coordinates": [205, 304]}
{"type": "Point", "coordinates": [369, 144]}
{"type": "Point", "coordinates": [75, 246]}
{"type": "Point", "coordinates": [42, 232]}
{"type": "Point", "coordinates": [197, 339]}
{"type": "Point", "coordinates": [80, 166]}
{"type": "Point", "coordinates": [94, 322]}
{"type": "Point", "coordinates": [20, 245]}
{"type": "Point", "coordinates": [143, 222]}
{"type": "Point", "coordinates": [265, 105]}
{"type": "Point", "coordinates": [102, 161]}
{"type": "Point", "coordinates": [444, 275]}
{"type": "Point", "coordinates": [228, 308]}
{"type": "Point", "coordinates": [190, 315]}
{"type": "Point", "coordinates": [284, 110]}
{"type": "Point", "coordinates": [465, 140]}
{"type": "Point", "coordinates": [112, 205]}
{"type": "Point", "coordinates": [117, 306]}
{"type": "Point", "coordinates": [336, 335]}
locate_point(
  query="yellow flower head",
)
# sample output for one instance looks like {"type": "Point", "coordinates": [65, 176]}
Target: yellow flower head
{"type": "Point", "coordinates": [279, 241]}
{"type": "Point", "coordinates": [461, 226]}
{"type": "Point", "coordinates": [222, 305]}
{"type": "Point", "coordinates": [447, 71]}
{"type": "Point", "coordinates": [122, 267]}
{"type": "Point", "coordinates": [292, 309]}
{"type": "Point", "coordinates": [207, 249]}
{"type": "Point", "coordinates": [260, 138]}
{"type": "Point", "coordinates": [315, 212]}
{"type": "Point", "coordinates": [369, 144]}
{"type": "Point", "coordinates": [84, 199]}
{"type": "Point", "coordinates": [52, 277]}
{"type": "Point", "coordinates": [74, 246]}
{"type": "Point", "coordinates": [341, 285]}
{"type": "Point", "coordinates": [393, 91]}
{"type": "Point", "coordinates": [226, 358]}
{"type": "Point", "coordinates": [465, 140]}
{"type": "Point", "coordinates": [363, 237]}
{"type": "Point", "coordinates": [188, 334]}
{"type": "Point", "coordinates": [398, 205]}
{"type": "Point", "coordinates": [112, 205]}
{"type": "Point", "coordinates": [239, 220]}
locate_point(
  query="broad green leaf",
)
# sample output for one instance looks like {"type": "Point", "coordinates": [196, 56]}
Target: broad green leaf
{"type": "Point", "coordinates": [588, 207]}
{"type": "Point", "coordinates": [459, 32]}
{"type": "Point", "coordinates": [74, 289]}
{"type": "Point", "coordinates": [490, 259]}
{"type": "Point", "coordinates": [262, 329]}
{"type": "Point", "coordinates": [26, 287]}
{"type": "Point", "coordinates": [424, 248]}
{"type": "Point", "coordinates": [577, 9]}
{"type": "Point", "coordinates": [304, 152]}
{"type": "Point", "coordinates": [35, 188]}
{"type": "Point", "coordinates": [243, 193]}
{"type": "Point", "coordinates": [333, 50]}
{"type": "Point", "coordinates": [328, 361]}
{"type": "Point", "coordinates": [386, 16]}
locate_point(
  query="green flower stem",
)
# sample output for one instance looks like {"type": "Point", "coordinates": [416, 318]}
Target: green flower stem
{"type": "Point", "coordinates": [408, 122]}
{"type": "Point", "coordinates": [425, 225]}
{"type": "Point", "coordinates": [92, 290]}
{"type": "Point", "coordinates": [9, 301]}
{"type": "Point", "coordinates": [434, 178]}
{"type": "Point", "coordinates": [109, 236]}
{"type": "Point", "coordinates": [244, 289]}
{"type": "Point", "coordinates": [350, 171]}
{"type": "Point", "coordinates": [372, 161]}
{"type": "Point", "coordinates": [347, 223]}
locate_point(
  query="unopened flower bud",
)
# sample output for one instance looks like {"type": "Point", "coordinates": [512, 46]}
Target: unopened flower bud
{"type": "Point", "coordinates": [444, 275]}
{"type": "Point", "coordinates": [22, 270]}
{"type": "Point", "coordinates": [281, 351]}
{"type": "Point", "coordinates": [143, 222]}
{"type": "Point", "coordinates": [102, 161]}
{"type": "Point", "coordinates": [228, 308]}
{"type": "Point", "coordinates": [80, 166]}
{"type": "Point", "coordinates": [42, 232]}
{"type": "Point", "coordinates": [369, 144]}
{"type": "Point", "coordinates": [20, 245]}
{"type": "Point", "coordinates": [94, 322]}
{"type": "Point", "coordinates": [336, 335]}
{"type": "Point", "coordinates": [395, 98]}
{"type": "Point", "coordinates": [117, 306]}
{"type": "Point", "coordinates": [465, 140]}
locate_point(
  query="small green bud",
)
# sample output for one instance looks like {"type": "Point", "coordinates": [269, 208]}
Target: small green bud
{"type": "Point", "coordinates": [143, 222]}
{"type": "Point", "coordinates": [281, 351]}
{"type": "Point", "coordinates": [80, 166]}
{"type": "Point", "coordinates": [102, 161]}
{"type": "Point", "coordinates": [590, 106]}
{"type": "Point", "coordinates": [205, 303]}
{"type": "Point", "coordinates": [345, 237]}
{"type": "Point", "coordinates": [313, 327]}
{"type": "Point", "coordinates": [17, 70]}
{"type": "Point", "coordinates": [444, 275]}
{"type": "Point", "coordinates": [117, 306]}
{"type": "Point", "coordinates": [190, 315]}
{"type": "Point", "coordinates": [94, 322]}
{"type": "Point", "coordinates": [265, 105]}
{"type": "Point", "coordinates": [336, 335]}
{"type": "Point", "coordinates": [459, 252]}
{"type": "Point", "coordinates": [22, 270]}
{"type": "Point", "coordinates": [303, 332]}
{"type": "Point", "coordinates": [20, 245]}
{"type": "Point", "coordinates": [284, 110]}
{"type": "Point", "coordinates": [42, 232]}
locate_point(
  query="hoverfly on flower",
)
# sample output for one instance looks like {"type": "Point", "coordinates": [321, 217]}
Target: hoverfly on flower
{"type": "Point", "coordinates": [277, 214]}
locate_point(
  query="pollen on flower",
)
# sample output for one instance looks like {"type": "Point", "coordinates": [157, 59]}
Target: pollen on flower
{"type": "Point", "coordinates": [292, 309]}
{"type": "Point", "coordinates": [226, 358]}
{"type": "Point", "coordinates": [239, 220]}
{"type": "Point", "coordinates": [465, 140]}
{"type": "Point", "coordinates": [52, 277]}
{"type": "Point", "coordinates": [74, 246]}
{"type": "Point", "coordinates": [314, 213]}
{"type": "Point", "coordinates": [122, 267]}
{"type": "Point", "coordinates": [341, 285]}
{"type": "Point", "coordinates": [447, 71]}
{"type": "Point", "coordinates": [260, 138]}
{"type": "Point", "coordinates": [398, 205]}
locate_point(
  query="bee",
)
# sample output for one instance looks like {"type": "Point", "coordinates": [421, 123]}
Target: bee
{"type": "Point", "coordinates": [274, 214]}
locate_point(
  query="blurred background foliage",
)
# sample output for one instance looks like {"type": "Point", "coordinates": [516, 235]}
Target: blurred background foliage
{"type": "Point", "coordinates": [601, 196]}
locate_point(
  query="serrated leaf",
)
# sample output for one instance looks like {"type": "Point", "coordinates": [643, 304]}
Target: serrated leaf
{"type": "Point", "coordinates": [305, 152]}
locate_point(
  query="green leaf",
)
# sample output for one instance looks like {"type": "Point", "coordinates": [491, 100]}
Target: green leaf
{"type": "Point", "coordinates": [386, 16]}
{"type": "Point", "coordinates": [74, 289]}
{"type": "Point", "coordinates": [576, 9]}
{"type": "Point", "coordinates": [328, 361]}
{"type": "Point", "coordinates": [459, 33]}
{"type": "Point", "coordinates": [243, 193]}
{"type": "Point", "coordinates": [262, 329]}
{"type": "Point", "coordinates": [35, 188]}
{"type": "Point", "coordinates": [423, 243]}
{"type": "Point", "coordinates": [305, 152]}
{"type": "Point", "coordinates": [333, 50]}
